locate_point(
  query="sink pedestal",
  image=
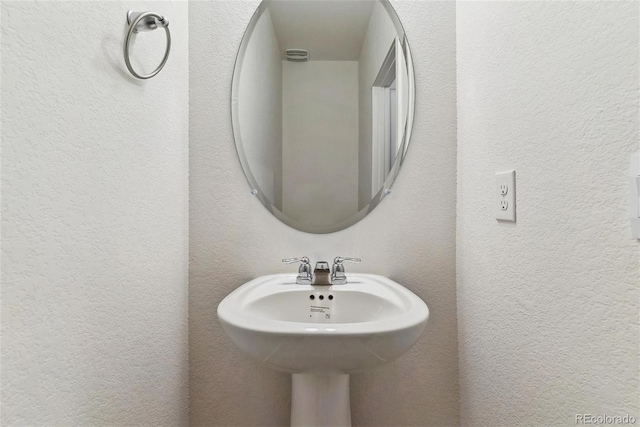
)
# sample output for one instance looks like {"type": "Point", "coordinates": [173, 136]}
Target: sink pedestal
{"type": "Point", "coordinates": [320, 400]}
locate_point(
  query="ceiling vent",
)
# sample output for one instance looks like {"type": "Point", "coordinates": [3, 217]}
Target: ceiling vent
{"type": "Point", "coordinates": [297, 55]}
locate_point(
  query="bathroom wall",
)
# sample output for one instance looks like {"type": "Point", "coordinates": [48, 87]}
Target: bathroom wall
{"type": "Point", "coordinates": [319, 144]}
{"type": "Point", "coordinates": [377, 42]}
{"type": "Point", "coordinates": [94, 217]}
{"type": "Point", "coordinates": [409, 237]}
{"type": "Point", "coordinates": [548, 306]}
{"type": "Point", "coordinates": [260, 108]}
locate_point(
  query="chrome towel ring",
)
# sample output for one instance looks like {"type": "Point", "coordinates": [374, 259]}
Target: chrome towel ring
{"type": "Point", "coordinates": [145, 21]}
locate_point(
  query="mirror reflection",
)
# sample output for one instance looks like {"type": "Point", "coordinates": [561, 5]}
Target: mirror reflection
{"type": "Point", "coordinates": [321, 106]}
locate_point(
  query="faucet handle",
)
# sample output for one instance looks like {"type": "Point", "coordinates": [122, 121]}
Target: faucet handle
{"type": "Point", "coordinates": [302, 259]}
{"type": "Point", "coordinates": [340, 260]}
{"type": "Point", "coordinates": [304, 271]}
{"type": "Point", "coordinates": [337, 272]}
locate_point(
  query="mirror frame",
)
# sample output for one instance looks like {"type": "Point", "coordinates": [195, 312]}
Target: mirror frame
{"type": "Point", "coordinates": [402, 150]}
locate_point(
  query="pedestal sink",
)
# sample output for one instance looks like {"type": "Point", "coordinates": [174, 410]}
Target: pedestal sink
{"type": "Point", "coordinates": [321, 334]}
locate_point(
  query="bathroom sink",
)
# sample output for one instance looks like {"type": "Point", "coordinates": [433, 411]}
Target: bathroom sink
{"type": "Point", "coordinates": [322, 334]}
{"type": "Point", "coordinates": [323, 329]}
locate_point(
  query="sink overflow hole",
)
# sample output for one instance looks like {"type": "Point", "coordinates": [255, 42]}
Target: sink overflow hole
{"type": "Point", "coordinates": [320, 296]}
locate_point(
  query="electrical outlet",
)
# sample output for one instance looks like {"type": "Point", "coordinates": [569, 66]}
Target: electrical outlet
{"type": "Point", "coordinates": [506, 194]}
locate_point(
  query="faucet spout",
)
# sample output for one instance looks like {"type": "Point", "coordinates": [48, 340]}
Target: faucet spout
{"type": "Point", "coordinates": [321, 274]}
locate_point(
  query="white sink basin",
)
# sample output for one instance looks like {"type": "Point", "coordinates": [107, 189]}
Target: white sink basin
{"type": "Point", "coordinates": [321, 334]}
{"type": "Point", "coordinates": [362, 324]}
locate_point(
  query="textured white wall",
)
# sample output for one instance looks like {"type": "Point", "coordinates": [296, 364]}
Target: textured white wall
{"type": "Point", "coordinates": [94, 218]}
{"type": "Point", "coordinates": [409, 237]}
{"type": "Point", "coordinates": [260, 108]}
{"type": "Point", "coordinates": [377, 42]}
{"type": "Point", "coordinates": [320, 142]}
{"type": "Point", "coordinates": [548, 306]}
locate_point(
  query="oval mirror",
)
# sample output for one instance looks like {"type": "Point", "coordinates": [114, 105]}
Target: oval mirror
{"type": "Point", "coordinates": [322, 107]}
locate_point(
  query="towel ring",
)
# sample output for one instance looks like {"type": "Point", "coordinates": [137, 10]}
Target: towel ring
{"type": "Point", "coordinates": [145, 21]}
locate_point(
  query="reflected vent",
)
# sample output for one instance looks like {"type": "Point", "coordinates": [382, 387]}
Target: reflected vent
{"type": "Point", "coordinates": [297, 55]}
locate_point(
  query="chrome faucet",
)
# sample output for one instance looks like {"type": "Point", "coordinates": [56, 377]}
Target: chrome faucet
{"type": "Point", "coordinates": [337, 271]}
{"type": "Point", "coordinates": [321, 276]}
{"type": "Point", "coordinates": [304, 271]}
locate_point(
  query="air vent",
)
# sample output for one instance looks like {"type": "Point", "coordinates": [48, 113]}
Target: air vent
{"type": "Point", "coordinates": [297, 55]}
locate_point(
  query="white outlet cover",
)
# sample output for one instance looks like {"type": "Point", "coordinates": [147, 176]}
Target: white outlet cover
{"type": "Point", "coordinates": [509, 179]}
